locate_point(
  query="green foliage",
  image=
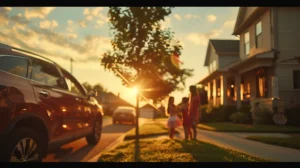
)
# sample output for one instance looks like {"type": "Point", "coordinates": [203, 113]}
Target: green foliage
{"type": "Point", "coordinates": [293, 116]}
{"type": "Point", "coordinates": [263, 117]}
{"type": "Point", "coordinates": [216, 114]}
{"type": "Point", "coordinates": [142, 49]}
{"type": "Point", "coordinates": [98, 87]}
{"type": "Point", "coordinates": [245, 109]}
{"type": "Point", "coordinates": [239, 117]}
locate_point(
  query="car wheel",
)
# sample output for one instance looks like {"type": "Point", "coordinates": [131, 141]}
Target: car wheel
{"type": "Point", "coordinates": [95, 137]}
{"type": "Point", "coordinates": [23, 145]}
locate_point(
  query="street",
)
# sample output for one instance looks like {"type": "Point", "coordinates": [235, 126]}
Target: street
{"type": "Point", "coordinates": [80, 151]}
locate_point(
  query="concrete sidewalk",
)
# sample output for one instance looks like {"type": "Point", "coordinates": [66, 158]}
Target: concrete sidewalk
{"type": "Point", "coordinates": [237, 141]}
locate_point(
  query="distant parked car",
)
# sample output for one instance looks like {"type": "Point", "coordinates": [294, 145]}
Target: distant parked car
{"type": "Point", "coordinates": [124, 114]}
{"type": "Point", "coordinates": [41, 106]}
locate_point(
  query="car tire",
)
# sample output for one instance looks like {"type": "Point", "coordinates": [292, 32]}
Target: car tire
{"type": "Point", "coordinates": [95, 137]}
{"type": "Point", "coordinates": [23, 145]}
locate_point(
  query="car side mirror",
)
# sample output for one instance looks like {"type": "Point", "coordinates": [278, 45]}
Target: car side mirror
{"type": "Point", "coordinates": [92, 93]}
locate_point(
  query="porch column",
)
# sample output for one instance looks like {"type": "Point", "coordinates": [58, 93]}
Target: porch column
{"type": "Point", "coordinates": [209, 93]}
{"type": "Point", "coordinates": [214, 92]}
{"type": "Point", "coordinates": [224, 99]}
{"type": "Point", "coordinates": [237, 90]}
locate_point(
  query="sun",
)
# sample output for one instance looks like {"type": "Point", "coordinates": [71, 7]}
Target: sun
{"type": "Point", "coordinates": [135, 90]}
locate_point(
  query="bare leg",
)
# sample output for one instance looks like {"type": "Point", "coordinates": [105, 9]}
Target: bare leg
{"type": "Point", "coordinates": [186, 132]}
{"type": "Point", "coordinates": [194, 128]}
{"type": "Point", "coordinates": [172, 133]}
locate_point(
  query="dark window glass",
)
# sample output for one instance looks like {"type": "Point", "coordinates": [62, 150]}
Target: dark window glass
{"type": "Point", "coordinates": [46, 73]}
{"type": "Point", "coordinates": [296, 75]}
{"type": "Point", "coordinates": [14, 65]}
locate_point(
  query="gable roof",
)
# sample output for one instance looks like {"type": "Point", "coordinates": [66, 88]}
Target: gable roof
{"type": "Point", "coordinates": [222, 48]}
{"type": "Point", "coordinates": [242, 23]}
{"type": "Point", "coordinates": [148, 105]}
{"type": "Point", "coordinates": [119, 101]}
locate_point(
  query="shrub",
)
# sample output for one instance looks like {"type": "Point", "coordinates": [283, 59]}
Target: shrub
{"type": "Point", "coordinates": [293, 116]}
{"type": "Point", "coordinates": [226, 111]}
{"type": "Point", "coordinates": [239, 117]}
{"type": "Point", "coordinates": [245, 109]}
{"type": "Point", "coordinates": [264, 117]}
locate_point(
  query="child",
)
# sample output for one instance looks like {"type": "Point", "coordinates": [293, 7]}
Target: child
{"type": "Point", "coordinates": [173, 120]}
{"type": "Point", "coordinates": [185, 118]}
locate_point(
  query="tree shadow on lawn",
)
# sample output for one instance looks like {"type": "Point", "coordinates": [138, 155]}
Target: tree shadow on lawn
{"type": "Point", "coordinates": [205, 152]}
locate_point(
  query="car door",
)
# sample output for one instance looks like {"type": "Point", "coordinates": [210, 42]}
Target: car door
{"type": "Point", "coordinates": [53, 97]}
{"type": "Point", "coordinates": [85, 111]}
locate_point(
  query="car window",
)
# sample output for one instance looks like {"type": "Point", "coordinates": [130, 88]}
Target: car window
{"type": "Point", "coordinates": [73, 85]}
{"type": "Point", "coordinates": [15, 65]}
{"type": "Point", "coordinates": [46, 73]}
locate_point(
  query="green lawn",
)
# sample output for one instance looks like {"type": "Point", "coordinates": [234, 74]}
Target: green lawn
{"type": "Point", "coordinates": [174, 151]}
{"type": "Point", "coordinates": [148, 130]}
{"type": "Point", "coordinates": [290, 142]}
{"type": "Point", "coordinates": [231, 127]}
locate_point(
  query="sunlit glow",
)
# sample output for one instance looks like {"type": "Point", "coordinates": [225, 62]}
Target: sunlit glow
{"type": "Point", "coordinates": [232, 86]}
{"type": "Point", "coordinates": [63, 109]}
{"type": "Point", "coordinates": [64, 126]}
{"type": "Point", "coordinates": [135, 90]}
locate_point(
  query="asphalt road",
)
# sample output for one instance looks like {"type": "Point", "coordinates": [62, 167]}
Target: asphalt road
{"type": "Point", "coordinates": [80, 151]}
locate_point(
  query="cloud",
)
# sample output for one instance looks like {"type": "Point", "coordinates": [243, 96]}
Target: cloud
{"type": "Point", "coordinates": [70, 22]}
{"type": "Point", "coordinates": [202, 38]}
{"type": "Point", "coordinates": [92, 14]}
{"type": "Point", "coordinates": [211, 18]}
{"type": "Point", "coordinates": [38, 12]}
{"type": "Point", "coordinates": [89, 17]}
{"type": "Point", "coordinates": [82, 24]}
{"type": "Point", "coordinates": [190, 16]}
{"type": "Point", "coordinates": [55, 44]}
{"type": "Point", "coordinates": [48, 24]}
{"type": "Point", "coordinates": [229, 24]}
{"type": "Point", "coordinates": [177, 16]}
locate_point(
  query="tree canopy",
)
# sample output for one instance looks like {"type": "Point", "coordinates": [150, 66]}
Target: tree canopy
{"type": "Point", "coordinates": [142, 51]}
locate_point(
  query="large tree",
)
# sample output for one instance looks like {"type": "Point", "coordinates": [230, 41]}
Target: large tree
{"type": "Point", "coordinates": [142, 51]}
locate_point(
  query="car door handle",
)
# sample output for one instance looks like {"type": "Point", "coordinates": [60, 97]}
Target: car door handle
{"type": "Point", "coordinates": [44, 93]}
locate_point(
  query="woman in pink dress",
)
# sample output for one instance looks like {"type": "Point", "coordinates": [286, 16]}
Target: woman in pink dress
{"type": "Point", "coordinates": [173, 120]}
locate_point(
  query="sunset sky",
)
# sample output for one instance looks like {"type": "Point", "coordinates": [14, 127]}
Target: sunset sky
{"type": "Point", "coordinates": [82, 33]}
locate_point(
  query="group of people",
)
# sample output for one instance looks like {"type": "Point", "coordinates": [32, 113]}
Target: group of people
{"type": "Point", "coordinates": [190, 114]}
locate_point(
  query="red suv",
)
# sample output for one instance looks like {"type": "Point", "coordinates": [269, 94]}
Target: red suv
{"type": "Point", "coordinates": [41, 106]}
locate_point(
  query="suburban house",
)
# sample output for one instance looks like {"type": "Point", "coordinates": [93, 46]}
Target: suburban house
{"type": "Point", "coordinates": [268, 36]}
{"type": "Point", "coordinates": [220, 81]}
{"type": "Point", "coordinates": [110, 102]}
{"type": "Point", "coordinates": [148, 111]}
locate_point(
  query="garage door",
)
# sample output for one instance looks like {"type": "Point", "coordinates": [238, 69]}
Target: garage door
{"type": "Point", "coordinates": [146, 113]}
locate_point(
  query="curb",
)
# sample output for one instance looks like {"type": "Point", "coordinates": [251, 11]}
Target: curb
{"type": "Point", "coordinates": [111, 146]}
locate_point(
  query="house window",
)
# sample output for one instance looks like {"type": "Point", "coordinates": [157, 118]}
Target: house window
{"type": "Point", "coordinates": [247, 43]}
{"type": "Point", "coordinates": [296, 76]}
{"type": "Point", "coordinates": [258, 35]}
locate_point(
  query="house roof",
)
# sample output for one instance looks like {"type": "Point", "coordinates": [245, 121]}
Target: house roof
{"type": "Point", "coordinates": [243, 21]}
{"type": "Point", "coordinates": [222, 48]}
{"type": "Point", "coordinates": [226, 46]}
{"type": "Point", "coordinates": [119, 101]}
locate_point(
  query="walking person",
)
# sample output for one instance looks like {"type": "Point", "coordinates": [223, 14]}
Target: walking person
{"type": "Point", "coordinates": [185, 118]}
{"type": "Point", "coordinates": [194, 103]}
{"type": "Point", "coordinates": [173, 120]}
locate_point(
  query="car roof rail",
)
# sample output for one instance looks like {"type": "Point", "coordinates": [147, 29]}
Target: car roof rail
{"type": "Point", "coordinates": [8, 47]}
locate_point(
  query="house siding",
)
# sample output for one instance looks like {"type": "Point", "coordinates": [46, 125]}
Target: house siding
{"type": "Point", "coordinates": [266, 39]}
{"type": "Point", "coordinates": [288, 45]}
{"type": "Point", "coordinates": [213, 56]}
